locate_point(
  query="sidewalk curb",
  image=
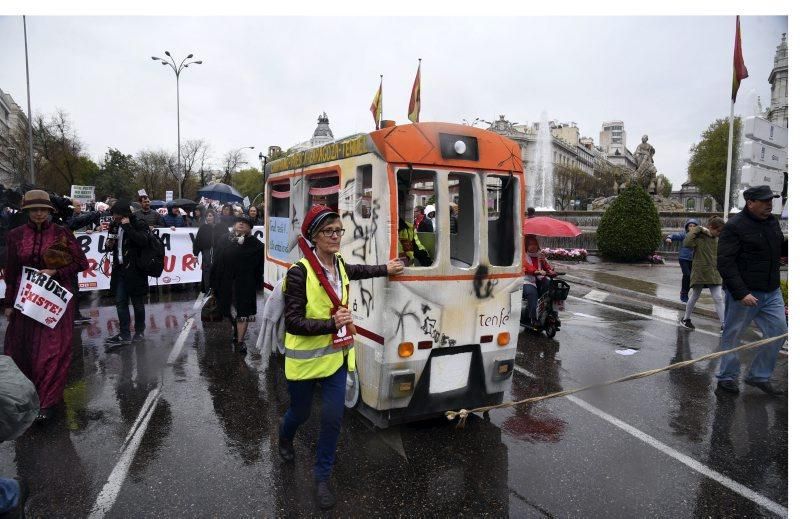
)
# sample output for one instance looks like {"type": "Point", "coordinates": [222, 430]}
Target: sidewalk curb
{"type": "Point", "coordinates": [638, 296]}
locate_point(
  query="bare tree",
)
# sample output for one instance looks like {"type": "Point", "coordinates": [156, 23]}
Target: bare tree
{"type": "Point", "coordinates": [193, 154]}
{"type": "Point", "coordinates": [153, 170]}
{"type": "Point", "coordinates": [233, 159]}
{"type": "Point", "coordinates": [59, 149]}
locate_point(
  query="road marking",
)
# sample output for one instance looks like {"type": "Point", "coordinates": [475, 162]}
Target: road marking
{"type": "Point", "coordinates": [142, 412]}
{"type": "Point", "coordinates": [176, 350]}
{"type": "Point", "coordinates": [646, 316]}
{"type": "Point", "coordinates": [667, 313]}
{"type": "Point", "coordinates": [586, 315]}
{"type": "Point", "coordinates": [597, 295]}
{"type": "Point", "coordinates": [693, 464]}
{"type": "Point", "coordinates": [108, 495]}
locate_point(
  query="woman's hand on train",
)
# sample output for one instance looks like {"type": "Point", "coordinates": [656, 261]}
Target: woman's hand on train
{"type": "Point", "coordinates": [342, 317]}
{"type": "Point", "coordinates": [394, 267]}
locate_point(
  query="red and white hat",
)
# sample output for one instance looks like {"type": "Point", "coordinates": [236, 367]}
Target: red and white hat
{"type": "Point", "coordinates": [315, 216]}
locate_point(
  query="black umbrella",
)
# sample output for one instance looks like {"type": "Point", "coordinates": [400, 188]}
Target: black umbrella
{"type": "Point", "coordinates": [221, 192]}
{"type": "Point", "coordinates": [184, 203]}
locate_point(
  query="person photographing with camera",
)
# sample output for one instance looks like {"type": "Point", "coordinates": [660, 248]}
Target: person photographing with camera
{"type": "Point", "coordinates": [127, 237]}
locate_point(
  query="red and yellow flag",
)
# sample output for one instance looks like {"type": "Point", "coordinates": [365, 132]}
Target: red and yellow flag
{"type": "Point", "coordinates": [739, 70]}
{"type": "Point", "coordinates": [414, 103]}
{"type": "Point", "coordinates": [377, 105]}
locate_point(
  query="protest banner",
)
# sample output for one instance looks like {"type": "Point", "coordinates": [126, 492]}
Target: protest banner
{"type": "Point", "coordinates": [180, 264]}
{"type": "Point", "coordinates": [41, 298]}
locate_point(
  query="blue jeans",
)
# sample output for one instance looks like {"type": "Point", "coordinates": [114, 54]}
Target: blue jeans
{"type": "Point", "coordinates": [301, 392]}
{"type": "Point", "coordinates": [532, 294]}
{"type": "Point", "coordinates": [770, 316]}
{"type": "Point", "coordinates": [9, 494]}
{"type": "Point", "coordinates": [686, 270]}
{"type": "Point", "coordinates": [121, 296]}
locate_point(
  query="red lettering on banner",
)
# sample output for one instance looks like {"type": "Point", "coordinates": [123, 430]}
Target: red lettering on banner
{"type": "Point", "coordinates": [169, 263]}
{"type": "Point", "coordinates": [90, 271]}
{"type": "Point", "coordinates": [189, 262]}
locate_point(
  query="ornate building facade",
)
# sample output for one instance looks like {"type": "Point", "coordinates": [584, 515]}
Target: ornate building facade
{"type": "Point", "coordinates": [11, 159]}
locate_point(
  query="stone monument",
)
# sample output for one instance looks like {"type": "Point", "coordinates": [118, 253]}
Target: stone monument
{"type": "Point", "coordinates": [645, 173]}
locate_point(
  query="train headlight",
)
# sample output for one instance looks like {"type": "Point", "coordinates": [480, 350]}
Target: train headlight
{"type": "Point", "coordinates": [459, 147]}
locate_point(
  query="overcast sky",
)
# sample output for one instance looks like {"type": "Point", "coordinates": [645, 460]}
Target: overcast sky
{"type": "Point", "coordinates": [265, 80]}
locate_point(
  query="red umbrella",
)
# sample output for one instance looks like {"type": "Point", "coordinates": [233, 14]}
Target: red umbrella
{"type": "Point", "coordinates": [551, 227]}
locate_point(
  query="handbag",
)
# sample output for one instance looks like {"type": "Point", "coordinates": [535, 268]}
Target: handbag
{"type": "Point", "coordinates": [58, 255]}
{"type": "Point", "coordinates": [210, 311]}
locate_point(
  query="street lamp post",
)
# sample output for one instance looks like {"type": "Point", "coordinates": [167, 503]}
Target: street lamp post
{"type": "Point", "coordinates": [178, 69]}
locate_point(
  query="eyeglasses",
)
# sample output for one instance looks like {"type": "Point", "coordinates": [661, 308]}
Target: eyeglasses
{"type": "Point", "coordinates": [330, 232]}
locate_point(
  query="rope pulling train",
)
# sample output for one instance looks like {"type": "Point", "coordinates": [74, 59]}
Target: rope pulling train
{"type": "Point", "coordinates": [463, 413]}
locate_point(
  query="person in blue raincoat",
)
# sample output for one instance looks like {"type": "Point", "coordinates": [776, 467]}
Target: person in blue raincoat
{"type": "Point", "coordinates": [685, 256]}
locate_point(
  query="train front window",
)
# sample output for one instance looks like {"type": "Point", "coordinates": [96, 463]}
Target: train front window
{"type": "Point", "coordinates": [416, 233]}
{"type": "Point", "coordinates": [501, 208]}
{"type": "Point", "coordinates": [462, 202]}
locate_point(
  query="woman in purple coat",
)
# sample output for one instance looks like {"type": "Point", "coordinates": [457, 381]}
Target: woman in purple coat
{"type": "Point", "coordinates": [41, 353]}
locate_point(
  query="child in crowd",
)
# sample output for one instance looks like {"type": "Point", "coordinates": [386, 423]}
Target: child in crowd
{"type": "Point", "coordinates": [684, 257]}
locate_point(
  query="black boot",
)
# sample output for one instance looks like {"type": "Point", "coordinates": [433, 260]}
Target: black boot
{"type": "Point", "coordinates": [325, 497]}
{"type": "Point", "coordinates": [285, 446]}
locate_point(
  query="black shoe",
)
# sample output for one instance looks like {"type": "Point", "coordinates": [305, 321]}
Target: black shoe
{"type": "Point", "coordinates": [19, 510]}
{"type": "Point", "coordinates": [285, 448]}
{"type": "Point", "coordinates": [686, 323]}
{"type": "Point", "coordinates": [325, 497]}
{"type": "Point", "coordinates": [138, 337]}
{"type": "Point", "coordinates": [117, 340]}
{"type": "Point", "coordinates": [765, 386]}
{"type": "Point", "coordinates": [45, 415]}
{"type": "Point", "coordinates": [729, 386]}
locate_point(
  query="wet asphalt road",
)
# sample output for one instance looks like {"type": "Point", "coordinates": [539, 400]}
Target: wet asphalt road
{"type": "Point", "coordinates": [209, 445]}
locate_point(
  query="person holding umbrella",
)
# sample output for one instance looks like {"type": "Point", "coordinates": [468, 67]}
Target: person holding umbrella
{"type": "Point", "coordinates": [537, 272]}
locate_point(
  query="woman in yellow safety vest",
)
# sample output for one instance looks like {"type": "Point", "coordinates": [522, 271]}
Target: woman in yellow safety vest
{"type": "Point", "coordinates": [313, 328]}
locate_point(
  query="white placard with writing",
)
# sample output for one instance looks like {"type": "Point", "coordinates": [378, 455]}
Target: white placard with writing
{"type": "Point", "coordinates": [82, 193]}
{"type": "Point", "coordinates": [41, 298]}
{"type": "Point", "coordinates": [168, 198]}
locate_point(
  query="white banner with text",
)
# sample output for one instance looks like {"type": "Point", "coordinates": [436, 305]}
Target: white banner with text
{"type": "Point", "coordinates": [180, 264]}
{"type": "Point", "coordinates": [41, 298]}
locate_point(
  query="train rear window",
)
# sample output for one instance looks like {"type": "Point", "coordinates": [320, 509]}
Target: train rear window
{"type": "Point", "coordinates": [416, 233]}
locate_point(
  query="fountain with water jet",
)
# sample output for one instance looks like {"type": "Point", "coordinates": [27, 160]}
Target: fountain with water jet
{"type": "Point", "coordinates": [539, 174]}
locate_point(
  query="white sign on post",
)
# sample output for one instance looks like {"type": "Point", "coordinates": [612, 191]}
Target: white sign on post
{"type": "Point", "coordinates": [41, 298]}
{"type": "Point", "coordinates": [168, 198]}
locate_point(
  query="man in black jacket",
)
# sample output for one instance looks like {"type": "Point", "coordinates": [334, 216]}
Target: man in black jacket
{"type": "Point", "coordinates": [127, 236]}
{"type": "Point", "coordinates": [750, 247]}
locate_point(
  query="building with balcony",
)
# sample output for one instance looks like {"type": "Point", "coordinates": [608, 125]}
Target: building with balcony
{"type": "Point", "coordinates": [12, 160]}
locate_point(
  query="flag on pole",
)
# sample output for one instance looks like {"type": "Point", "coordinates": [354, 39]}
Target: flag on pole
{"type": "Point", "coordinates": [377, 105]}
{"type": "Point", "coordinates": [415, 102]}
{"type": "Point", "coordinates": [739, 70]}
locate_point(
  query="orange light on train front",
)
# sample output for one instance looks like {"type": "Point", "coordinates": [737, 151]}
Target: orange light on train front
{"type": "Point", "coordinates": [503, 338]}
{"type": "Point", "coordinates": [405, 349]}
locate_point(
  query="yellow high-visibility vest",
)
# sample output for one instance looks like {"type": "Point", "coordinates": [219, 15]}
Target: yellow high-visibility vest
{"type": "Point", "coordinates": [313, 356]}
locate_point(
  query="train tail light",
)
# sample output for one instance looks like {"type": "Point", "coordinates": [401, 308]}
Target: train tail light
{"type": "Point", "coordinates": [503, 338]}
{"type": "Point", "coordinates": [405, 349]}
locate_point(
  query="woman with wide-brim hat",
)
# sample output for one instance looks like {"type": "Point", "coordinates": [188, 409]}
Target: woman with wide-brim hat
{"type": "Point", "coordinates": [41, 353]}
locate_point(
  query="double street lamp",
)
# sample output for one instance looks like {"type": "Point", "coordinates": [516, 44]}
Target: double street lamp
{"type": "Point", "coordinates": [178, 69]}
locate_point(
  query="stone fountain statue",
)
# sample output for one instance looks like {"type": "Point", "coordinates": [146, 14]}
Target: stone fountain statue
{"type": "Point", "coordinates": [645, 173]}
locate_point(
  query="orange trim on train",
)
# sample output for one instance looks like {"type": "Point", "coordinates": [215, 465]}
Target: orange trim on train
{"type": "Point", "coordinates": [418, 144]}
{"type": "Point", "coordinates": [279, 262]}
{"type": "Point", "coordinates": [291, 173]}
{"type": "Point", "coordinates": [459, 277]}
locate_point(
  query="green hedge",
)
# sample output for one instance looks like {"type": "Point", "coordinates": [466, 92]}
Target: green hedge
{"type": "Point", "coordinates": [630, 229]}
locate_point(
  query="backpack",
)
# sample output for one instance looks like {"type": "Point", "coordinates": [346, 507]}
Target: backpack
{"type": "Point", "coordinates": [151, 257]}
